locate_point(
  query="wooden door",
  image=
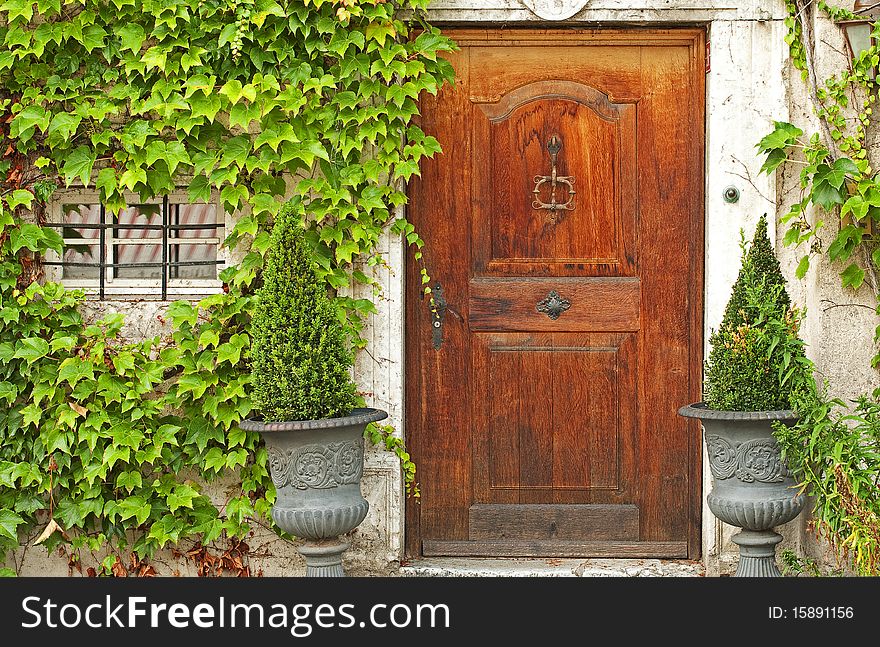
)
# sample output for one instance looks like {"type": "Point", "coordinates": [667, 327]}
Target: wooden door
{"type": "Point", "coordinates": [545, 423]}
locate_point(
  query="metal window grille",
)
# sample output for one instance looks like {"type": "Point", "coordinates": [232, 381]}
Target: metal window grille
{"type": "Point", "coordinates": [144, 245]}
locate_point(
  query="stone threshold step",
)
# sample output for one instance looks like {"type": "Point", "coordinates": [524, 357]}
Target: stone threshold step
{"type": "Point", "coordinates": [550, 567]}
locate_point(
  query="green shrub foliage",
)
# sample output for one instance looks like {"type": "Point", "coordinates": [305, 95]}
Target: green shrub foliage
{"type": "Point", "coordinates": [300, 358]}
{"type": "Point", "coordinates": [757, 361]}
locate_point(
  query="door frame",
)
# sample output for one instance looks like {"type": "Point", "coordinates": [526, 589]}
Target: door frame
{"type": "Point", "coordinates": [695, 38]}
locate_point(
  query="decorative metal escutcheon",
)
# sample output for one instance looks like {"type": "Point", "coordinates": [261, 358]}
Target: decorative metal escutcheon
{"type": "Point", "coordinates": [438, 310]}
{"type": "Point", "coordinates": [555, 180]}
{"type": "Point", "coordinates": [553, 305]}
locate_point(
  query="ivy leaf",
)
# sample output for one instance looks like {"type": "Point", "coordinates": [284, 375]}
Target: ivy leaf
{"type": "Point", "coordinates": [209, 337]}
{"type": "Point", "coordinates": [802, 267]}
{"type": "Point", "coordinates": [236, 150]}
{"type": "Point", "coordinates": [23, 9]}
{"type": "Point", "coordinates": [31, 349]}
{"type": "Point", "coordinates": [380, 31]}
{"type": "Point", "coordinates": [784, 134]}
{"type": "Point", "coordinates": [63, 125]}
{"type": "Point", "coordinates": [232, 90]}
{"type": "Point", "coordinates": [205, 106]}
{"type": "Point", "coordinates": [199, 189]}
{"type": "Point", "coordinates": [155, 57]}
{"type": "Point", "coordinates": [132, 36]}
{"type": "Point", "coordinates": [74, 369]}
{"type": "Point", "coordinates": [113, 454]}
{"type": "Point", "coordinates": [176, 155]}
{"type": "Point", "coordinates": [830, 174]}
{"type": "Point", "coordinates": [182, 497]}
{"type": "Point", "coordinates": [27, 235]}
{"type": "Point", "coordinates": [9, 523]}
{"type": "Point", "coordinates": [93, 37]}
{"type": "Point", "coordinates": [215, 459]}
{"type": "Point", "coordinates": [853, 276]}
{"type": "Point", "coordinates": [826, 195]}
{"type": "Point", "coordinates": [236, 458]}
{"type": "Point", "coordinates": [129, 480]}
{"type": "Point", "coordinates": [346, 250]}
{"type": "Point", "coordinates": [51, 527]}
{"type": "Point", "coordinates": [32, 116]}
{"type": "Point", "coordinates": [31, 415]}
{"type": "Point", "coordinates": [166, 435]}
{"type": "Point", "coordinates": [227, 352]}
{"type": "Point", "coordinates": [8, 391]}
{"type": "Point", "coordinates": [79, 165]}
{"type": "Point", "coordinates": [131, 177]}
{"type": "Point", "coordinates": [135, 506]}
{"type": "Point", "coordinates": [847, 166]}
{"type": "Point", "coordinates": [232, 196]}
{"type": "Point", "coordinates": [182, 312]}
{"type": "Point", "coordinates": [19, 197]}
{"type": "Point", "coordinates": [243, 114]}
{"type": "Point", "coordinates": [774, 158]}
{"type": "Point", "coordinates": [123, 362]}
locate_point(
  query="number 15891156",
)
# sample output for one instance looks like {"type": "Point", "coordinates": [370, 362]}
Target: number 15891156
{"type": "Point", "coordinates": [810, 613]}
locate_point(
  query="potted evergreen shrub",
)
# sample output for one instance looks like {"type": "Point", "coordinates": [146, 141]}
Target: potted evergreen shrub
{"type": "Point", "coordinates": [755, 374]}
{"type": "Point", "coordinates": [307, 403]}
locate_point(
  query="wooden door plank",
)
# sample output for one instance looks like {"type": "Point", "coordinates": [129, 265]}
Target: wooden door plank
{"type": "Point", "coordinates": [585, 423]}
{"type": "Point", "coordinates": [503, 431]}
{"type": "Point", "coordinates": [554, 522]}
{"type": "Point", "coordinates": [535, 425]}
{"type": "Point", "coordinates": [594, 304]}
{"type": "Point", "coordinates": [665, 258]}
{"type": "Point", "coordinates": [438, 410]}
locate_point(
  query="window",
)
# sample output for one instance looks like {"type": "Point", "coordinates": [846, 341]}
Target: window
{"type": "Point", "coordinates": [154, 249]}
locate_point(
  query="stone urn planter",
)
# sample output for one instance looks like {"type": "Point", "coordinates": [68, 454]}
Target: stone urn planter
{"type": "Point", "coordinates": [751, 487]}
{"type": "Point", "coordinates": [316, 466]}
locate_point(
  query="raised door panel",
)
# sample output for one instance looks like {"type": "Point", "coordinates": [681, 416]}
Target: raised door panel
{"type": "Point", "coordinates": [555, 188]}
{"type": "Point", "coordinates": [554, 417]}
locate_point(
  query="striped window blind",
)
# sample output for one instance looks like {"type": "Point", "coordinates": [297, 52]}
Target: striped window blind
{"type": "Point", "coordinates": [147, 250]}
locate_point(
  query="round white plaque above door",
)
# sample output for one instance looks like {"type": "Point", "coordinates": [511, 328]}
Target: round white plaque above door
{"type": "Point", "coordinates": [554, 9]}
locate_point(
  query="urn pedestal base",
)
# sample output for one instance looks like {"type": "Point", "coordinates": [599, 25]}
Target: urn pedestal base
{"type": "Point", "coordinates": [757, 553]}
{"type": "Point", "coordinates": [323, 559]}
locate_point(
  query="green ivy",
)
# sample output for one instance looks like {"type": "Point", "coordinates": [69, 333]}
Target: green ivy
{"type": "Point", "coordinates": [833, 448]}
{"type": "Point", "coordinates": [251, 100]}
{"type": "Point", "coordinates": [835, 175]}
{"type": "Point", "coordinates": [835, 451]}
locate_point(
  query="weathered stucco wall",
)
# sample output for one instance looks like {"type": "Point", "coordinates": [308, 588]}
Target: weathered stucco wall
{"type": "Point", "coordinates": [840, 322]}
{"type": "Point", "coordinates": [749, 86]}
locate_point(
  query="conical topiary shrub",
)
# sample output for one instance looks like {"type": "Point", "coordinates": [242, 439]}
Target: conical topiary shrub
{"type": "Point", "coordinates": [757, 361]}
{"type": "Point", "coordinates": [305, 397]}
{"type": "Point", "coordinates": [299, 356]}
{"type": "Point", "coordinates": [756, 373]}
